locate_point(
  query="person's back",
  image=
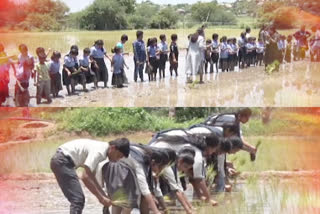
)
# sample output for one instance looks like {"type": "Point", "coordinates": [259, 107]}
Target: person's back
{"type": "Point", "coordinates": [85, 151]}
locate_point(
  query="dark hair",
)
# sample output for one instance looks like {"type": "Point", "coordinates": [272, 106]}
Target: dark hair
{"type": "Point", "coordinates": [187, 155]}
{"type": "Point", "coordinates": [248, 30]}
{"type": "Point", "coordinates": [215, 36]}
{"type": "Point", "coordinates": [244, 112]}
{"type": "Point", "coordinates": [242, 35]}
{"type": "Point", "coordinates": [122, 145]}
{"type": "Point", "coordinates": [86, 50]}
{"type": "Point", "coordinates": [115, 49]}
{"type": "Point", "coordinates": [124, 37]}
{"type": "Point", "coordinates": [208, 41]}
{"type": "Point", "coordinates": [23, 46]}
{"type": "Point", "coordinates": [151, 41]}
{"type": "Point", "coordinates": [172, 156]}
{"type": "Point", "coordinates": [189, 36]}
{"type": "Point", "coordinates": [200, 31]}
{"type": "Point", "coordinates": [99, 42]}
{"type": "Point", "coordinates": [74, 50]}
{"type": "Point", "coordinates": [289, 38]}
{"type": "Point", "coordinates": [139, 33]}
{"type": "Point", "coordinates": [224, 38]}
{"type": "Point", "coordinates": [225, 145]}
{"type": "Point", "coordinates": [194, 38]}
{"type": "Point", "coordinates": [212, 140]}
{"type": "Point", "coordinates": [174, 37]}
{"type": "Point", "coordinates": [236, 142]}
{"type": "Point", "coordinates": [162, 36]}
{"type": "Point", "coordinates": [40, 50]}
{"type": "Point", "coordinates": [75, 47]}
{"type": "Point", "coordinates": [56, 55]}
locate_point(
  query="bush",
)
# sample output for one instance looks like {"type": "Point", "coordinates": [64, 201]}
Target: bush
{"type": "Point", "coordinates": [105, 121]}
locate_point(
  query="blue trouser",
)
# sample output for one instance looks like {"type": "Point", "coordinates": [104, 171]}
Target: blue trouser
{"type": "Point", "coordinates": [63, 168]}
{"type": "Point", "coordinates": [138, 70]}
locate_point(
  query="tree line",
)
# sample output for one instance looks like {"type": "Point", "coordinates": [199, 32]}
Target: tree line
{"type": "Point", "coordinates": [53, 15]}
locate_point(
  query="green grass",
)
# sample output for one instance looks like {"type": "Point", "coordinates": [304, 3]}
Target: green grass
{"type": "Point", "coordinates": [279, 153]}
{"type": "Point", "coordinates": [62, 41]}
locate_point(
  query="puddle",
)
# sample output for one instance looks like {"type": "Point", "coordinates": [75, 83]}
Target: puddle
{"type": "Point", "coordinates": [296, 85]}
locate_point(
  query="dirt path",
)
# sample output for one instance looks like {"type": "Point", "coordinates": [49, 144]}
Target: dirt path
{"type": "Point", "coordinates": [297, 84]}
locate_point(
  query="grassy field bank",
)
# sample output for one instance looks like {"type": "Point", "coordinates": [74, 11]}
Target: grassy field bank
{"type": "Point", "coordinates": [63, 40]}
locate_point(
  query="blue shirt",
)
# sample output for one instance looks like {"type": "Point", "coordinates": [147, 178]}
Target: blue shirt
{"type": "Point", "coordinates": [152, 50]}
{"type": "Point", "coordinates": [224, 50]}
{"type": "Point", "coordinates": [84, 61]}
{"type": "Point", "coordinates": [163, 46]}
{"type": "Point", "coordinates": [97, 52]}
{"type": "Point", "coordinates": [139, 50]}
{"type": "Point", "coordinates": [70, 61]}
{"type": "Point", "coordinates": [54, 67]}
{"type": "Point", "coordinates": [260, 47]}
{"type": "Point", "coordinates": [118, 63]}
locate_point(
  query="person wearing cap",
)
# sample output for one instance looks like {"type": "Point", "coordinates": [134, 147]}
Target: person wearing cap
{"type": "Point", "coordinates": [87, 154]}
{"type": "Point", "coordinates": [42, 77]}
{"type": "Point", "coordinates": [54, 72]}
{"type": "Point", "coordinates": [98, 52]}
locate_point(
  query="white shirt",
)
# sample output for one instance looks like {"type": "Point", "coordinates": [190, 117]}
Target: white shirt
{"type": "Point", "coordinates": [86, 152]}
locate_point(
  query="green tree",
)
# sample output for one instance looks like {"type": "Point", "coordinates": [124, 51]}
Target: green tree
{"type": "Point", "coordinates": [142, 17]}
{"type": "Point", "coordinates": [104, 15]}
{"type": "Point", "coordinates": [166, 18]}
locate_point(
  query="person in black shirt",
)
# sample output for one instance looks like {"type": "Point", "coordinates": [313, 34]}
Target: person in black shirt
{"type": "Point", "coordinates": [174, 54]}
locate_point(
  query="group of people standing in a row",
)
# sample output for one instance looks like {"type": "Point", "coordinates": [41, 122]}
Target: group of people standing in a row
{"type": "Point", "coordinates": [151, 58]}
{"type": "Point", "coordinates": [227, 53]}
{"type": "Point", "coordinates": [127, 175]}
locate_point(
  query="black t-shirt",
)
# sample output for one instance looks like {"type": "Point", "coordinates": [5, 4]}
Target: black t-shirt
{"type": "Point", "coordinates": [174, 51]}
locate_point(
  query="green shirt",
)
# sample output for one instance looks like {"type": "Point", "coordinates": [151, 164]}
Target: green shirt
{"type": "Point", "coordinates": [43, 71]}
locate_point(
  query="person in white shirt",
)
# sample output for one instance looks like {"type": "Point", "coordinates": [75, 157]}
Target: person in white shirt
{"type": "Point", "coordinates": [87, 154]}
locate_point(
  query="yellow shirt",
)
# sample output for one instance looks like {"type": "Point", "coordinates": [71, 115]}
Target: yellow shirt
{"type": "Point", "coordinates": [43, 71]}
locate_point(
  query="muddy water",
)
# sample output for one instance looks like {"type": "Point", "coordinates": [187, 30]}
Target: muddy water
{"type": "Point", "coordinates": [297, 84]}
{"type": "Point", "coordinates": [269, 196]}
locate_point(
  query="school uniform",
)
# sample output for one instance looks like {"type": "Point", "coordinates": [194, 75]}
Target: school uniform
{"type": "Point", "coordinates": [174, 53]}
{"type": "Point", "coordinates": [249, 48]}
{"type": "Point", "coordinates": [43, 82]}
{"type": "Point", "coordinates": [153, 58]}
{"type": "Point", "coordinates": [69, 157]}
{"type": "Point", "coordinates": [98, 55]}
{"type": "Point", "coordinates": [23, 75]}
{"type": "Point", "coordinates": [260, 52]}
{"type": "Point", "coordinates": [281, 49]}
{"type": "Point", "coordinates": [89, 75]}
{"type": "Point", "coordinates": [232, 58]}
{"type": "Point", "coordinates": [118, 70]}
{"type": "Point", "coordinates": [4, 79]}
{"type": "Point", "coordinates": [140, 56]}
{"type": "Point", "coordinates": [214, 55]}
{"type": "Point", "coordinates": [199, 162]}
{"type": "Point", "coordinates": [242, 51]}
{"type": "Point", "coordinates": [207, 55]}
{"type": "Point", "coordinates": [217, 161]}
{"type": "Point", "coordinates": [225, 121]}
{"type": "Point", "coordinates": [288, 52]}
{"type": "Point", "coordinates": [163, 47]}
{"type": "Point", "coordinates": [72, 65]}
{"type": "Point", "coordinates": [224, 54]}
{"type": "Point", "coordinates": [55, 76]}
